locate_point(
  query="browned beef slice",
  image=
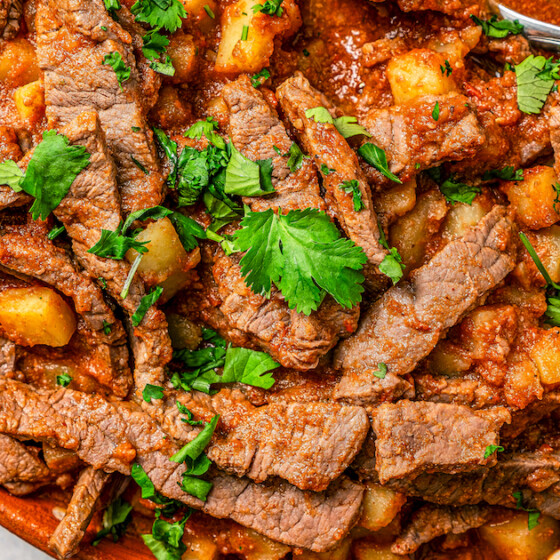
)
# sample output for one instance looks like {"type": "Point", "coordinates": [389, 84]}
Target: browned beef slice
{"type": "Point", "coordinates": [111, 436]}
{"type": "Point", "coordinates": [298, 341]}
{"type": "Point", "coordinates": [413, 140]}
{"type": "Point", "coordinates": [20, 463]}
{"type": "Point", "coordinates": [256, 131]}
{"type": "Point", "coordinates": [553, 113]}
{"type": "Point", "coordinates": [7, 356]}
{"type": "Point", "coordinates": [416, 437]}
{"type": "Point", "coordinates": [68, 535]}
{"type": "Point", "coordinates": [327, 146]}
{"type": "Point", "coordinates": [10, 14]}
{"type": "Point", "coordinates": [404, 325]}
{"type": "Point", "coordinates": [71, 46]}
{"type": "Point", "coordinates": [445, 6]}
{"type": "Point", "coordinates": [431, 521]}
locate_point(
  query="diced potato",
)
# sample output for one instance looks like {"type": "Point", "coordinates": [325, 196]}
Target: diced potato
{"type": "Point", "coordinates": [30, 102]}
{"type": "Point", "coordinates": [183, 332]}
{"type": "Point", "coordinates": [447, 359]}
{"type": "Point", "coordinates": [513, 540]}
{"type": "Point", "coordinates": [380, 506]}
{"type": "Point", "coordinates": [200, 546]}
{"type": "Point", "coordinates": [250, 545]}
{"type": "Point", "coordinates": [171, 110]}
{"type": "Point", "coordinates": [547, 245]}
{"type": "Point", "coordinates": [417, 73]}
{"type": "Point", "coordinates": [18, 63]}
{"type": "Point", "coordinates": [461, 217]}
{"type": "Point", "coordinates": [341, 552]}
{"type": "Point", "coordinates": [182, 52]}
{"type": "Point", "coordinates": [36, 315]}
{"type": "Point", "coordinates": [545, 353]}
{"type": "Point", "coordinates": [411, 233]}
{"type": "Point", "coordinates": [396, 201]}
{"type": "Point", "coordinates": [253, 53]}
{"type": "Point", "coordinates": [522, 385]}
{"type": "Point", "coordinates": [533, 199]}
{"type": "Point", "coordinates": [166, 263]}
{"type": "Point", "coordinates": [365, 549]}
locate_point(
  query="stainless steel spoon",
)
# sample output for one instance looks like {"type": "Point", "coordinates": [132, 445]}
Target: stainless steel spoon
{"type": "Point", "coordinates": [541, 34]}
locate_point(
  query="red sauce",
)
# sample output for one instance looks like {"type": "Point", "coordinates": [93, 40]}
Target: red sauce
{"type": "Point", "coordinates": [544, 10]}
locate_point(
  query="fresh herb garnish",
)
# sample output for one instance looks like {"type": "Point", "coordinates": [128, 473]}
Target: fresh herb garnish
{"type": "Point", "coordinates": [455, 191]}
{"type": "Point", "coordinates": [303, 254]}
{"type": "Point", "coordinates": [259, 78]}
{"type": "Point", "coordinates": [556, 188]}
{"type": "Point", "coordinates": [435, 112]}
{"type": "Point", "coordinates": [55, 232]}
{"type": "Point", "coordinates": [165, 14]}
{"type": "Point", "coordinates": [376, 157]}
{"type": "Point", "coordinates": [391, 265]}
{"type": "Point", "coordinates": [140, 165]}
{"type": "Point", "coordinates": [325, 170]}
{"type": "Point", "coordinates": [50, 172]}
{"type": "Point", "coordinates": [270, 7]}
{"type": "Point", "coordinates": [490, 449]}
{"type": "Point", "coordinates": [152, 392]}
{"type": "Point", "coordinates": [245, 33]}
{"type": "Point", "coordinates": [166, 540]}
{"type": "Point", "coordinates": [115, 521]}
{"type": "Point", "coordinates": [498, 29]}
{"type": "Point", "coordinates": [346, 126]}
{"type": "Point", "coordinates": [247, 178]}
{"type": "Point", "coordinates": [116, 62]}
{"type": "Point", "coordinates": [295, 158]}
{"type": "Point", "coordinates": [112, 6]}
{"type": "Point", "coordinates": [533, 514]}
{"type": "Point", "coordinates": [193, 450]}
{"type": "Point", "coordinates": [508, 173]}
{"type": "Point", "coordinates": [63, 379]}
{"type": "Point", "coordinates": [354, 187]}
{"type": "Point", "coordinates": [209, 11]}
{"type": "Point", "coordinates": [155, 45]}
{"type": "Point", "coordinates": [189, 416]}
{"type": "Point", "coordinates": [207, 128]}
{"type": "Point", "coordinates": [106, 327]}
{"type": "Point", "coordinates": [446, 69]}
{"type": "Point", "coordinates": [535, 78]}
{"type": "Point", "coordinates": [381, 371]}
{"type": "Point", "coordinates": [145, 303]}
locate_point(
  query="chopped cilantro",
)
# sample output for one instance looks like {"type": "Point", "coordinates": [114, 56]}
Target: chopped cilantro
{"type": "Point", "coordinates": [115, 61]}
{"type": "Point", "coordinates": [508, 173]}
{"type": "Point", "coordinates": [152, 392]}
{"type": "Point", "coordinates": [376, 156]}
{"type": "Point", "coordinates": [166, 540]}
{"type": "Point", "coordinates": [139, 165]}
{"type": "Point", "coordinates": [381, 371]}
{"type": "Point", "coordinates": [209, 11]}
{"type": "Point", "coordinates": [106, 327]}
{"type": "Point", "coordinates": [55, 232]}
{"type": "Point", "coordinates": [63, 379]}
{"type": "Point", "coordinates": [354, 188]}
{"type": "Point", "coordinates": [348, 127]}
{"type": "Point", "coordinates": [446, 69]}
{"type": "Point", "coordinates": [169, 147]}
{"type": "Point", "coordinates": [103, 28]}
{"type": "Point", "coordinates": [165, 14]}
{"type": "Point", "coordinates": [533, 514]}
{"type": "Point", "coordinates": [498, 29]}
{"type": "Point", "coordinates": [435, 112]}
{"type": "Point", "coordinates": [319, 115]}
{"type": "Point", "coordinates": [305, 52]}
{"type": "Point", "coordinates": [115, 521]}
{"type": "Point", "coordinates": [259, 78]}
{"type": "Point", "coordinates": [270, 7]}
{"type": "Point", "coordinates": [392, 265]}
{"type": "Point", "coordinates": [11, 175]}
{"type": "Point", "coordinates": [115, 244]}
{"type": "Point", "coordinates": [326, 170]}
{"type": "Point", "coordinates": [490, 449]}
{"type": "Point", "coordinates": [245, 33]}
{"type": "Point", "coordinates": [192, 450]}
{"type": "Point", "coordinates": [135, 128]}
{"type": "Point", "coordinates": [303, 254]}
{"type": "Point", "coordinates": [145, 303]}
{"type": "Point", "coordinates": [455, 191]}
{"type": "Point", "coordinates": [535, 78]}
{"type": "Point", "coordinates": [556, 188]}
{"type": "Point", "coordinates": [155, 45]}
{"type": "Point", "coordinates": [189, 416]}
{"type": "Point", "coordinates": [103, 282]}
{"type": "Point", "coordinates": [295, 158]}
{"type": "Point", "coordinates": [248, 178]}
{"type": "Point", "coordinates": [112, 6]}
{"type": "Point", "coordinates": [207, 128]}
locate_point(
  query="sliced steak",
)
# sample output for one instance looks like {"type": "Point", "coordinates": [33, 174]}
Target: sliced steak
{"type": "Point", "coordinates": [553, 114]}
{"type": "Point", "coordinates": [223, 300]}
{"type": "Point", "coordinates": [111, 436]}
{"type": "Point", "coordinates": [72, 40]}
{"type": "Point", "coordinates": [416, 437]}
{"type": "Point", "coordinates": [414, 141]}
{"type": "Point", "coordinates": [452, 7]}
{"type": "Point", "coordinates": [328, 148]}
{"type": "Point", "coordinates": [21, 463]}
{"type": "Point", "coordinates": [68, 535]}
{"type": "Point", "coordinates": [7, 357]}
{"type": "Point", "coordinates": [404, 325]}
{"type": "Point", "coordinates": [10, 15]}
{"type": "Point", "coordinates": [257, 132]}
{"type": "Point", "coordinates": [432, 521]}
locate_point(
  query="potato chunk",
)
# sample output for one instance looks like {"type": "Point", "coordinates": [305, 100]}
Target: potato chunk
{"type": "Point", "coordinates": [36, 315]}
{"type": "Point", "coordinates": [341, 552]}
{"type": "Point", "coordinates": [533, 199]}
{"type": "Point", "coordinates": [546, 356]}
{"type": "Point", "coordinates": [30, 102]}
{"type": "Point", "coordinates": [166, 263]}
{"type": "Point", "coordinates": [365, 549]}
{"type": "Point", "coordinates": [380, 506]}
{"type": "Point", "coordinates": [513, 540]}
{"type": "Point", "coordinates": [18, 63]}
{"type": "Point", "coordinates": [417, 73]}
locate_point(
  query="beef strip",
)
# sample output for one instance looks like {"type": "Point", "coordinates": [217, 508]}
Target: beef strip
{"type": "Point", "coordinates": [328, 147]}
{"type": "Point", "coordinates": [416, 437]}
{"type": "Point", "coordinates": [73, 38]}
{"type": "Point", "coordinates": [414, 141]}
{"type": "Point", "coordinates": [68, 535]}
{"type": "Point", "coordinates": [7, 357]}
{"type": "Point", "coordinates": [256, 131]}
{"type": "Point", "coordinates": [451, 7]}
{"type": "Point", "coordinates": [21, 463]}
{"type": "Point", "coordinates": [431, 521]}
{"type": "Point", "coordinates": [223, 300]}
{"type": "Point", "coordinates": [404, 325]}
{"type": "Point", "coordinates": [553, 114]}
{"type": "Point", "coordinates": [112, 435]}
{"type": "Point", "coordinates": [10, 15]}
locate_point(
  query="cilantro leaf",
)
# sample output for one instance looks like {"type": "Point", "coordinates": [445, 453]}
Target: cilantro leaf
{"type": "Point", "coordinates": [63, 379]}
{"type": "Point", "coordinates": [259, 78]}
{"type": "Point", "coordinates": [435, 112]}
{"type": "Point", "coordinates": [154, 48]}
{"type": "Point", "coordinates": [533, 514]}
{"type": "Point", "coordinates": [165, 14]}
{"type": "Point", "coordinates": [160, 546]}
{"type": "Point", "coordinates": [114, 244]}
{"type": "Point", "coordinates": [381, 371]}
{"type": "Point", "coordinates": [112, 5]}
{"type": "Point", "coordinates": [50, 172]}
{"type": "Point", "coordinates": [455, 191]}
{"type": "Point", "coordinates": [446, 69]}
{"type": "Point", "coordinates": [115, 520]}
{"type": "Point", "coordinates": [169, 147]}
{"type": "Point", "coordinates": [143, 480]}
{"type": "Point", "coordinates": [196, 487]}
{"type": "Point", "coordinates": [354, 188]}
{"type": "Point", "coordinates": [303, 253]}
{"type": "Point", "coordinates": [325, 170]}
{"type": "Point", "coordinates": [392, 265]}
{"type": "Point", "coordinates": [248, 178]}
{"type": "Point", "coordinates": [152, 392]}
{"type": "Point", "coordinates": [187, 230]}
{"type": "Point", "coordinates": [145, 303]}
{"type": "Point", "coordinates": [55, 232]}
{"type": "Point", "coordinates": [490, 450]}
{"type": "Point", "coordinates": [319, 115]}
{"type": "Point", "coordinates": [295, 158]}
{"type": "Point", "coordinates": [498, 29]}
{"type": "Point", "coordinates": [192, 450]}
{"type": "Point", "coordinates": [116, 62]}
{"type": "Point", "coordinates": [348, 127]}
{"type": "Point", "coordinates": [270, 7]}
{"type": "Point", "coordinates": [11, 175]}
{"type": "Point", "coordinates": [206, 128]}
{"type": "Point", "coordinates": [535, 78]}
{"type": "Point", "coordinates": [508, 173]}
{"type": "Point", "coordinates": [189, 415]}
{"type": "Point", "coordinates": [376, 156]}
{"type": "Point", "coordinates": [209, 11]}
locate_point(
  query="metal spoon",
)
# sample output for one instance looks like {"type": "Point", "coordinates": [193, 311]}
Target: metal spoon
{"type": "Point", "coordinates": [541, 34]}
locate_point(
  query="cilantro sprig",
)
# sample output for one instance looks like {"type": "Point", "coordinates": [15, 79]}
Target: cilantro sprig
{"type": "Point", "coordinates": [347, 126]}
{"type": "Point", "coordinates": [533, 514]}
{"type": "Point", "coordinates": [258, 79]}
{"type": "Point", "coordinates": [270, 7]}
{"type": "Point", "coordinates": [303, 254]}
{"type": "Point", "coordinates": [392, 264]}
{"type": "Point", "coordinates": [353, 187]}
{"type": "Point", "coordinates": [164, 14]}
{"type": "Point", "coordinates": [498, 29]}
{"type": "Point", "coordinates": [116, 519]}
{"type": "Point", "coordinates": [490, 449]}
{"type": "Point", "coordinates": [455, 191]}
{"type": "Point", "coordinates": [154, 49]}
{"type": "Point", "coordinates": [116, 62]}
{"type": "Point", "coordinates": [535, 78]}
{"type": "Point", "coordinates": [376, 157]}
{"type": "Point", "coordinates": [508, 173]}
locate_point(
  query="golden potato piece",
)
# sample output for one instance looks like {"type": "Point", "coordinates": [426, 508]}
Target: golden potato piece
{"type": "Point", "coordinates": [341, 552]}
{"type": "Point", "coordinates": [30, 102]}
{"type": "Point", "coordinates": [36, 315]}
{"type": "Point", "coordinates": [18, 63]}
{"type": "Point", "coordinates": [546, 356]}
{"type": "Point", "coordinates": [380, 506]}
{"type": "Point", "coordinates": [365, 549]}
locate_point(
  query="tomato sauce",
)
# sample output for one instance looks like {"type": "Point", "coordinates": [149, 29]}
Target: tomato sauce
{"type": "Point", "coordinates": [544, 10]}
